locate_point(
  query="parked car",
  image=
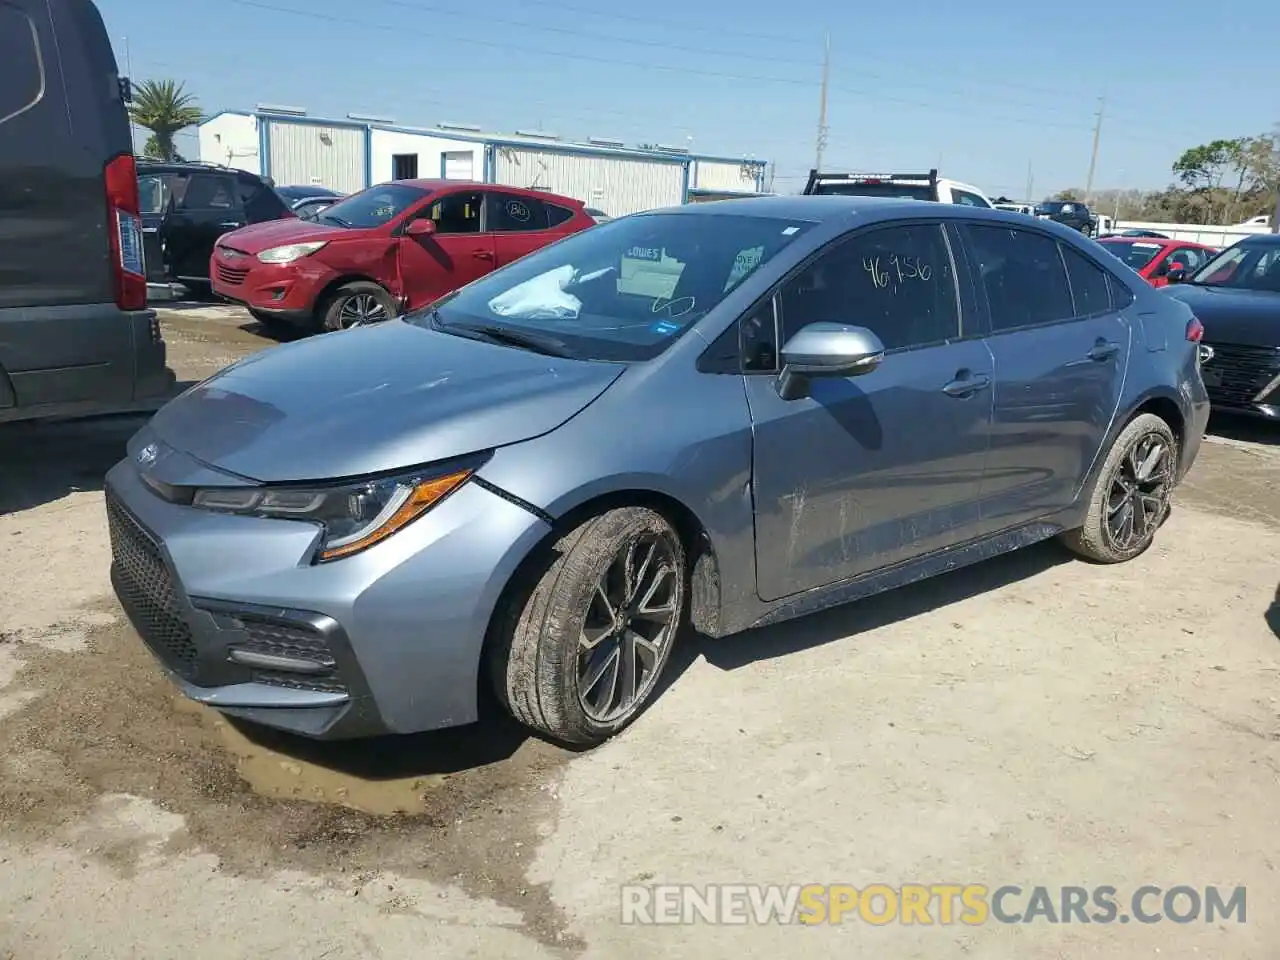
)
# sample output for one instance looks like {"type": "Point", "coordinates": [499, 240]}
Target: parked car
{"type": "Point", "coordinates": [387, 249]}
{"type": "Point", "coordinates": [76, 336]}
{"type": "Point", "coordinates": [1237, 297]}
{"type": "Point", "coordinates": [599, 216]}
{"type": "Point", "coordinates": [1153, 259]}
{"type": "Point", "coordinates": [1069, 213]}
{"type": "Point", "coordinates": [307, 202]}
{"type": "Point", "coordinates": [729, 414]}
{"type": "Point", "coordinates": [187, 205]}
{"type": "Point", "coordinates": [1138, 233]}
{"type": "Point", "coordinates": [908, 186]}
{"type": "Point", "coordinates": [1026, 209]}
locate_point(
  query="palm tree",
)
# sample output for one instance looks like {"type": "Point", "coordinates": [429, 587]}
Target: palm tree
{"type": "Point", "coordinates": [164, 108]}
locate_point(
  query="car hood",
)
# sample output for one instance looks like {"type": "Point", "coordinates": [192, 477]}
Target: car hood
{"type": "Point", "coordinates": [374, 399]}
{"type": "Point", "coordinates": [1247, 317]}
{"type": "Point", "coordinates": [274, 233]}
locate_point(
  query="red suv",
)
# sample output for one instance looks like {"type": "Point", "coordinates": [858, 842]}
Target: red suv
{"type": "Point", "coordinates": [390, 248]}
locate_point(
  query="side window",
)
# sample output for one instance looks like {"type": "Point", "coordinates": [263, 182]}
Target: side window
{"type": "Point", "coordinates": [758, 339]}
{"type": "Point", "coordinates": [153, 193]}
{"type": "Point", "coordinates": [895, 281]}
{"type": "Point", "coordinates": [1088, 284]}
{"type": "Point", "coordinates": [1022, 275]}
{"type": "Point", "coordinates": [511, 213]}
{"type": "Point", "coordinates": [557, 215]}
{"type": "Point", "coordinates": [23, 74]}
{"type": "Point", "coordinates": [260, 202]}
{"type": "Point", "coordinates": [1121, 296]}
{"type": "Point", "coordinates": [967, 199]}
{"type": "Point", "coordinates": [457, 213]}
{"type": "Point", "coordinates": [209, 192]}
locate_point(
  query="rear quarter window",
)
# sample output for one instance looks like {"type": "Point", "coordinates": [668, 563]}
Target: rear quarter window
{"type": "Point", "coordinates": [21, 67]}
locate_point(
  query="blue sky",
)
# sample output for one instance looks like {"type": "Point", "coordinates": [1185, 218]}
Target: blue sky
{"type": "Point", "coordinates": [980, 89]}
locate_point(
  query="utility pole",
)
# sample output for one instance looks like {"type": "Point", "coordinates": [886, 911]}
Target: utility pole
{"type": "Point", "coordinates": [1031, 180]}
{"type": "Point", "coordinates": [821, 143]}
{"type": "Point", "coordinates": [128, 69]}
{"type": "Point", "coordinates": [1093, 159]}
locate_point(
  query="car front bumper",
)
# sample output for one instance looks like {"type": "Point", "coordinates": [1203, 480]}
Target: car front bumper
{"type": "Point", "coordinates": [387, 641]}
{"type": "Point", "coordinates": [286, 290]}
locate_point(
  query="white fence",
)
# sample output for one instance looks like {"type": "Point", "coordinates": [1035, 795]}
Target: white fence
{"type": "Point", "coordinates": [1212, 234]}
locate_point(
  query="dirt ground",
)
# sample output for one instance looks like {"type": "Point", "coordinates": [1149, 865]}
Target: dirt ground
{"type": "Point", "coordinates": [1033, 721]}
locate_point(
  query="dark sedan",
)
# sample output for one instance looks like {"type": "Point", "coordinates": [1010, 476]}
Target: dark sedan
{"type": "Point", "coordinates": [1236, 295]}
{"type": "Point", "coordinates": [306, 202]}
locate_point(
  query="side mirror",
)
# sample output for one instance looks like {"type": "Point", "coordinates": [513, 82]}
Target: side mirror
{"type": "Point", "coordinates": [422, 227]}
{"type": "Point", "coordinates": [1176, 273]}
{"type": "Point", "coordinates": [827, 350]}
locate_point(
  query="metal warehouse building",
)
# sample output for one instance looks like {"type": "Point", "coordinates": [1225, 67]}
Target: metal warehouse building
{"type": "Point", "coordinates": [348, 155]}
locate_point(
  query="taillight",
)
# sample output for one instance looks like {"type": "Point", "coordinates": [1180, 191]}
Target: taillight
{"type": "Point", "coordinates": [1195, 330]}
{"type": "Point", "coordinates": [124, 227]}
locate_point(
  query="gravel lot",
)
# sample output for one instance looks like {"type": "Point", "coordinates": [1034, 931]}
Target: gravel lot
{"type": "Point", "coordinates": [1033, 720]}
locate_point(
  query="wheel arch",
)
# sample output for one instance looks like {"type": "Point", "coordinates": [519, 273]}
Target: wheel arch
{"type": "Point", "coordinates": [326, 293]}
{"type": "Point", "coordinates": [1163, 402]}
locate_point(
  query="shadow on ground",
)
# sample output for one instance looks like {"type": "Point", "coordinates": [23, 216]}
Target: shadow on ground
{"type": "Point", "coordinates": [43, 461]}
{"type": "Point", "coordinates": [1272, 616]}
{"type": "Point", "coordinates": [1244, 429]}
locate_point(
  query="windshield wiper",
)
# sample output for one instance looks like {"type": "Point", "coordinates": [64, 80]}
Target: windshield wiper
{"type": "Point", "coordinates": [338, 220]}
{"type": "Point", "coordinates": [508, 337]}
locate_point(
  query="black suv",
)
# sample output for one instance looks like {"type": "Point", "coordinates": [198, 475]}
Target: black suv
{"type": "Point", "coordinates": [1070, 213]}
{"type": "Point", "coordinates": [76, 336]}
{"type": "Point", "coordinates": [186, 206]}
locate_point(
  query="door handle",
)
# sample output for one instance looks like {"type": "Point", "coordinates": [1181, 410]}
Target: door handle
{"type": "Point", "coordinates": [482, 254]}
{"type": "Point", "coordinates": [231, 223]}
{"type": "Point", "coordinates": [1103, 350]}
{"type": "Point", "coordinates": [967, 385]}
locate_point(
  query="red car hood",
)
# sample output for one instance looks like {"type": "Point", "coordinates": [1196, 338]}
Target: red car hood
{"type": "Point", "coordinates": [274, 233]}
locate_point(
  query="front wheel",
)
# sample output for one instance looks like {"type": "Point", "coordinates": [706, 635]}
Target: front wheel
{"type": "Point", "coordinates": [356, 304]}
{"type": "Point", "coordinates": [1130, 497]}
{"type": "Point", "coordinates": [577, 650]}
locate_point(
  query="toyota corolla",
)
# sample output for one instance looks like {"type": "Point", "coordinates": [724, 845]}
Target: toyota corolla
{"type": "Point", "coordinates": [715, 417]}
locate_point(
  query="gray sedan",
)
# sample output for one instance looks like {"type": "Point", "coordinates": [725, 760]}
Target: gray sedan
{"type": "Point", "coordinates": [718, 416]}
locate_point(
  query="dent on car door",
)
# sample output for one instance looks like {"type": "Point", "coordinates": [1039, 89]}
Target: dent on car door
{"type": "Point", "coordinates": [1061, 349]}
{"type": "Point", "coordinates": [870, 470]}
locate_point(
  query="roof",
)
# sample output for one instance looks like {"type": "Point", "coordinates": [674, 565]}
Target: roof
{"type": "Point", "coordinates": [438, 184]}
{"type": "Point", "coordinates": [818, 208]}
{"type": "Point", "coordinates": [500, 139]}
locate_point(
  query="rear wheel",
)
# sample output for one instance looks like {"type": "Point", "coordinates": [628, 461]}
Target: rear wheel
{"type": "Point", "coordinates": [1130, 497]}
{"type": "Point", "coordinates": [356, 304]}
{"type": "Point", "coordinates": [579, 647]}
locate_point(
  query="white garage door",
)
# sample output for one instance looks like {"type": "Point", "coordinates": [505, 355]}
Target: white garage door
{"type": "Point", "coordinates": [307, 153]}
{"type": "Point", "coordinates": [459, 164]}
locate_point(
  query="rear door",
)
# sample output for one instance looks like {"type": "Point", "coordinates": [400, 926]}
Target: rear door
{"type": "Point", "coordinates": [519, 224]}
{"type": "Point", "coordinates": [207, 206]}
{"type": "Point", "coordinates": [62, 118]}
{"type": "Point", "coordinates": [1060, 351]}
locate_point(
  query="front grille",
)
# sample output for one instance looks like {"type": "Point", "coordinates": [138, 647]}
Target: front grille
{"type": "Point", "coordinates": [1235, 374]}
{"type": "Point", "coordinates": [233, 276]}
{"type": "Point", "coordinates": [147, 590]}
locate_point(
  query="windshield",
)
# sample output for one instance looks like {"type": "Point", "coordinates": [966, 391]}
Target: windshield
{"type": "Point", "coordinates": [1135, 253]}
{"type": "Point", "coordinates": [622, 291]}
{"type": "Point", "coordinates": [1246, 266]}
{"type": "Point", "coordinates": [904, 191]}
{"type": "Point", "coordinates": [373, 207]}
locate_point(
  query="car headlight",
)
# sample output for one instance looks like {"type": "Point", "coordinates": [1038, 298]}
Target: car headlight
{"type": "Point", "coordinates": [354, 515]}
{"type": "Point", "coordinates": [291, 252]}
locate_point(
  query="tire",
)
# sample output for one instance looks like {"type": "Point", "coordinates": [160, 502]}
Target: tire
{"type": "Point", "coordinates": [342, 308]}
{"type": "Point", "coordinates": [1105, 537]}
{"type": "Point", "coordinates": [554, 630]}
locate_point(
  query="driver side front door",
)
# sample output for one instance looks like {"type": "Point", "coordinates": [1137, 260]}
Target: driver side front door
{"type": "Point", "coordinates": [876, 469]}
{"type": "Point", "coordinates": [461, 249]}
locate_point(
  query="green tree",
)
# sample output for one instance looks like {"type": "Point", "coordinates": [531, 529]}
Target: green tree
{"type": "Point", "coordinates": [1071, 194]}
{"type": "Point", "coordinates": [164, 108]}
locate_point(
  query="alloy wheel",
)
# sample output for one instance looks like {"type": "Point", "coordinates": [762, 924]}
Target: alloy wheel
{"type": "Point", "coordinates": [360, 309]}
{"type": "Point", "coordinates": [631, 619]}
{"type": "Point", "coordinates": [1139, 496]}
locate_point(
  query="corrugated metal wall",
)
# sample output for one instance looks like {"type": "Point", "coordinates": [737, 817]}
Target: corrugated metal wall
{"type": "Point", "coordinates": [616, 185]}
{"type": "Point", "coordinates": [715, 175]}
{"type": "Point", "coordinates": [305, 153]}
